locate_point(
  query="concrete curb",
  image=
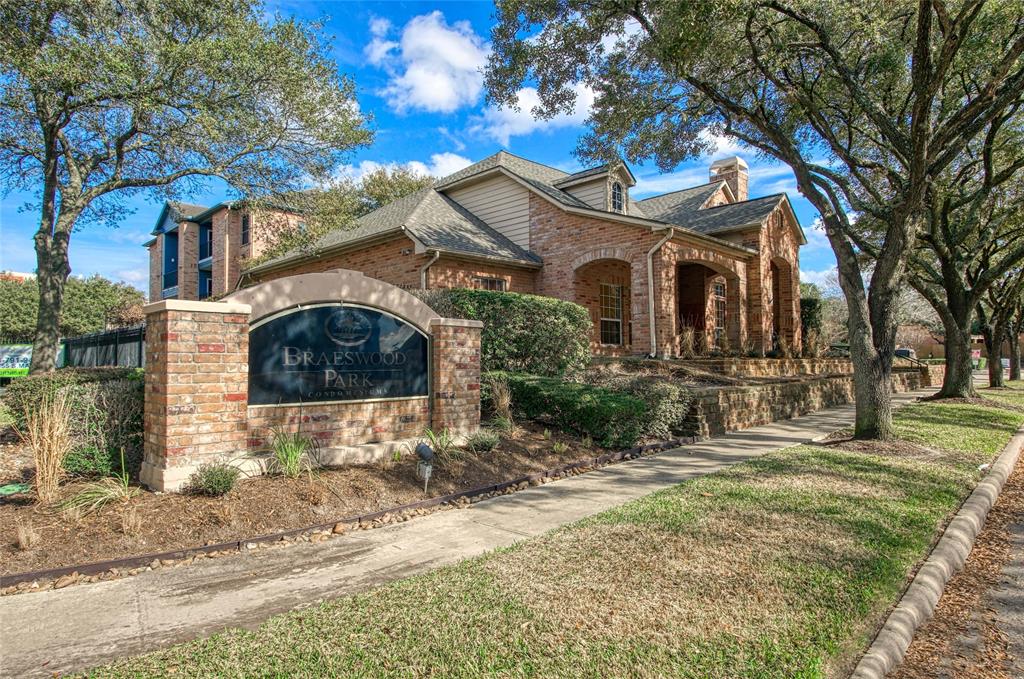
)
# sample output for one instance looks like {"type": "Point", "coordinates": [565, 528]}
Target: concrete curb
{"type": "Point", "coordinates": [949, 555]}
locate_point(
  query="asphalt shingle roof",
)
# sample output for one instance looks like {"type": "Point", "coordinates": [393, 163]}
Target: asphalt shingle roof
{"type": "Point", "coordinates": [433, 219]}
{"type": "Point", "coordinates": [732, 215]}
{"type": "Point", "coordinates": [186, 210]}
{"type": "Point", "coordinates": [440, 223]}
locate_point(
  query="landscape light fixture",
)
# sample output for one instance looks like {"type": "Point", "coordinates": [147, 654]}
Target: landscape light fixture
{"type": "Point", "coordinates": [425, 466]}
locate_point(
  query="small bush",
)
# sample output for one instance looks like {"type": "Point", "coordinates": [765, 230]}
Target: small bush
{"type": "Point", "coordinates": [484, 441]}
{"type": "Point", "coordinates": [26, 536]}
{"type": "Point", "coordinates": [611, 418]}
{"type": "Point", "coordinates": [522, 333]}
{"type": "Point", "coordinates": [294, 453]}
{"type": "Point", "coordinates": [106, 407]}
{"type": "Point", "coordinates": [497, 398]}
{"type": "Point", "coordinates": [443, 444]}
{"type": "Point", "coordinates": [214, 479]}
{"type": "Point", "coordinates": [100, 493]}
{"type": "Point", "coordinates": [668, 403]}
{"type": "Point", "coordinates": [47, 433]}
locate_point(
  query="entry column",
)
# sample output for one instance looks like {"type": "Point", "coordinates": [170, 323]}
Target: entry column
{"type": "Point", "coordinates": [196, 388]}
{"type": "Point", "coordinates": [456, 375]}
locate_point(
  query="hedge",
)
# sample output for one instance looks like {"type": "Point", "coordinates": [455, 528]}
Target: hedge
{"type": "Point", "coordinates": [612, 419]}
{"type": "Point", "coordinates": [810, 315]}
{"type": "Point", "coordinates": [106, 411]}
{"type": "Point", "coordinates": [668, 403]}
{"type": "Point", "coordinates": [522, 333]}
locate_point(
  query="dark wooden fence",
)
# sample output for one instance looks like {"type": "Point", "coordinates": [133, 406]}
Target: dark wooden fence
{"type": "Point", "coordinates": [124, 348]}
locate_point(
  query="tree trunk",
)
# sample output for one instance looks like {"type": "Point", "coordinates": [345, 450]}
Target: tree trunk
{"type": "Point", "coordinates": [958, 381]}
{"type": "Point", "coordinates": [993, 349]}
{"type": "Point", "coordinates": [1015, 355]}
{"type": "Point", "coordinates": [52, 271]}
{"type": "Point", "coordinates": [872, 379]}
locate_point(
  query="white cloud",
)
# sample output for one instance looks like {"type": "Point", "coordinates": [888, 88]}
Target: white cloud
{"type": "Point", "coordinates": [439, 165]}
{"type": "Point", "coordinates": [501, 124]}
{"type": "Point", "coordinates": [723, 146]}
{"type": "Point", "coordinates": [654, 184]}
{"type": "Point", "coordinates": [133, 276]}
{"type": "Point", "coordinates": [824, 279]}
{"type": "Point", "coordinates": [817, 240]}
{"type": "Point", "coordinates": [438, 66]}
{"type": "Point", "coordinates": [630, 29]}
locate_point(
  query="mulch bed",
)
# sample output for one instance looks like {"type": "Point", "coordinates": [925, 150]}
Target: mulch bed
{"type": "Point", "coordinates": [261, 505]}
{"type": "Point", "coordinates": [963, 638]}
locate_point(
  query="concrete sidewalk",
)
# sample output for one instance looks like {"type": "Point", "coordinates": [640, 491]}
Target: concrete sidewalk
{"type": "Point", "coordinates": [88, 625]}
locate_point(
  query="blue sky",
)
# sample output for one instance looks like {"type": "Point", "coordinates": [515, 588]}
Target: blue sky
{"type": "Point", "coordinates": [417, 69]}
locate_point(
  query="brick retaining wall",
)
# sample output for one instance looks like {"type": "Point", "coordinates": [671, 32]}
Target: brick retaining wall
{"type": "Point", "coordinates": [721, 409]}
{"type": "Point", "coordinates": [773, 367]}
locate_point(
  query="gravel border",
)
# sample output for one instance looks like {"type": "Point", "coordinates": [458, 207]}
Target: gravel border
{"type": "Point", "coordinates": [919, 600]}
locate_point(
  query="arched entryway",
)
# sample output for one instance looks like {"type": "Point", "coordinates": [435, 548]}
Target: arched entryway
{"type": "Point", "coordinates": [783, 312]}
{"type": "Point", "coordinates": [708, 304]}
{"type": "Point", "coordinates": [603, 286]}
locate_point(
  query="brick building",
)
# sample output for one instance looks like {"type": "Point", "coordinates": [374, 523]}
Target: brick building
{"type": "Point", "coordinates": [197, 251]}
{"type": "Point", "coordinates": [705, 257]}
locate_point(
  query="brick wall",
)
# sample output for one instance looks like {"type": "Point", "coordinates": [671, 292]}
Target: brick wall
{"type": "Point", "coordinates": [339, 427]}
{"type": "Point", "coordinates": [451, 272]}
{"type": "Point", "coordinates": [587, 292]}
{"type": "Point", "coordinates": [392, 261]}
{"type": "Point", "coordinates": [456, 375]}
{"type": "Point", "coordinates": [722, 409]}
{"type": "Point", "coordinates": [773, 367]}
{"type": "Point", "coordinates": [156, 269]}
{"type": "Point", "coordinates": [196, 396]}
{"type": "Point", "coordinates": [188, 260]}
{"type": "Point", "coordinates": [196, 388]}
{"type": "Point", "coordinates": [227, 234]}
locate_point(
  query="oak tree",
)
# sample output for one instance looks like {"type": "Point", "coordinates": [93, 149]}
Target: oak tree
{"type": "Point", "coordinates": [103, 99]}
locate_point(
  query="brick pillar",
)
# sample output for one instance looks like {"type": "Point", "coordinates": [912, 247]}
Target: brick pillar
{"type": "Point", "coordinates": [196, 388]}
{"type": "Point", "coordinates": [188, 261]}
{"type": "Point", "coordinates": [156, 269]}
{"type": "Point", "coordinates": [456, 375]}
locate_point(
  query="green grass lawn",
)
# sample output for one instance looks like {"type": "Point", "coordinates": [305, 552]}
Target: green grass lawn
{"type": "Point", "coordinates": [1012, 393]}
{"type": "Point", "coordinates": [779, 567]}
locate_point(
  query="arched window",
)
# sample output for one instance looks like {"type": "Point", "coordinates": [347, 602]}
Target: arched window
{"type": "Point", "coordinates": [618, 201]}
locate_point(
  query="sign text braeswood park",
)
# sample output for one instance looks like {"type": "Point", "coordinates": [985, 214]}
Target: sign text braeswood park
{"type": "Point", "coordinates": [333, 352]}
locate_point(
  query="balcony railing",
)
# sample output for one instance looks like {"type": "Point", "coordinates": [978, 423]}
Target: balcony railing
{"type": "Point", "coordinates": [170, 279]}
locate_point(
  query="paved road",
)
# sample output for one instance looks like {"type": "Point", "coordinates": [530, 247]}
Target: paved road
{"type": "Point", "coordinates": [85, 626]}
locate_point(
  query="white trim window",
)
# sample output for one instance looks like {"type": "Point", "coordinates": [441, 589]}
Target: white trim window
{"type": "Point", "coordinates": [489, 283]}
{"type": "Point", "coordinates": [718, 292]}
{"type": "Point", "coordinates": [618, 198]}
{"type": "Point", "coordinates": [611, 314]}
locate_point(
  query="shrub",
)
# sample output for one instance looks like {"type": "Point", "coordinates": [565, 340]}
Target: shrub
{"type": "Point", "coordinates": [522, 333]}
{"type": "Point", "coordinates": [443, 444]}
{"type": "Point", "coordinates": [294, 453]}
{"type": "Point", "coordinates": [810, 315]}
{"type": "Point", "coordinates": [612, 419]}
{"type": "Point", "coordinates": [106, 413]}
{"type": "Point", "coordinates": [47, 433]}
{"type": "Point", "coordinates": [497, 398]}
{"type": "Point", "coordinates": [668, 403]}
{"type": "Point", "coordinates": [214, 478]}
{"type": "Point", "coordinates": [100, 493]}
{"type": "Point", "coordinates": [484, 441]}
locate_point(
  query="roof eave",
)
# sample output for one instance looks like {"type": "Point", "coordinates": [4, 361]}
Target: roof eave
{"type": "Point", "coordinates": [330, 250]}
{"type": "Point", "coordinates": [506, 261]}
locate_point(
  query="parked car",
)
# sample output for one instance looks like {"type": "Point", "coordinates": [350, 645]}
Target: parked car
{"type": "Point", "coordinates": [906, 352]}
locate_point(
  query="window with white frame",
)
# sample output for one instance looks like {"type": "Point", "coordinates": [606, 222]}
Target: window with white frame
{"type": "Point", "coordinates": [618, 198]}
{"type": "Point", "coordinates": [718, 293]}
{"type": "Point", "coordinates": [488, 283]}
{"type": "Point", "coordinates": [611, 314]}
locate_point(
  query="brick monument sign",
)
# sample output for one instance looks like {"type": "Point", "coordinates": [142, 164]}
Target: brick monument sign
{"type": "Point", "coordinates": [360, 365]}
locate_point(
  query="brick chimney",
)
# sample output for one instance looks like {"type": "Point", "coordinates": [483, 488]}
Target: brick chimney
{"type": "Point", "coordinates": [733, 171]}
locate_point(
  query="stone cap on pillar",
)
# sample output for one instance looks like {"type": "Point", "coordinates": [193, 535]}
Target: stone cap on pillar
{"type": "Point", "coordinates": [190, 305]}
{"type": "Point", "coordinates": [457, 322]}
